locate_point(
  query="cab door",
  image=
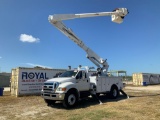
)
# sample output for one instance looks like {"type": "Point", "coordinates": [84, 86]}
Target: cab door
{"type": "Point", "coordinates": [82, 81]}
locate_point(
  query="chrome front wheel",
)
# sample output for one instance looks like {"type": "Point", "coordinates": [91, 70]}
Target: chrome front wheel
{"type": "Point", "coordinates": [70, 99]}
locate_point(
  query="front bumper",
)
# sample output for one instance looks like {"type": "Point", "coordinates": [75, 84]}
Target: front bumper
{"type": "Point", "coordinates": [53, 96]}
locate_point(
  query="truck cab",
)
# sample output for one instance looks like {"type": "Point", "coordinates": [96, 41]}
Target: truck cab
{"type": "Point", "coordinates": [68, 87]}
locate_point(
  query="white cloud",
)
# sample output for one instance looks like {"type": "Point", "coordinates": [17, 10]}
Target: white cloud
{"type": "Point", "coordinates": [0, 57]}
{"type": "Point", "coordinates": [34, 65]}
{"type": "Point", "coordinates": [28, 38]}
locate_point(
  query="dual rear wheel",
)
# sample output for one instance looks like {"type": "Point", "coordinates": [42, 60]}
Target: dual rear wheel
{"type": "Point", "coordinates": [114, 92]}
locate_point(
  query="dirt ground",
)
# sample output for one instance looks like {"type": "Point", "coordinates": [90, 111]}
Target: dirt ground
{"type": "Point", "coordinates": [150, 88]}
{"type": "Point", "coordinates": [143, 103]}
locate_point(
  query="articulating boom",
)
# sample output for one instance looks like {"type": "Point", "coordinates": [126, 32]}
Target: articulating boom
{"type": "Point", "coordinates": [117, 16]}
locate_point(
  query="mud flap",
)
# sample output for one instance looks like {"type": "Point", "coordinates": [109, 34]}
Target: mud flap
{"type": "Point", "coordinates": [124, 93]}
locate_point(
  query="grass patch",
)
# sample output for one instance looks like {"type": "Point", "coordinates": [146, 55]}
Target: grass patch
{"type": "Point", "coordinates": [93, 115]}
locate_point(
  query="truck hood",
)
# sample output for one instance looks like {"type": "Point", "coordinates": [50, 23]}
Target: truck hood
{"type": "Point", "coordinates": [62, 79]}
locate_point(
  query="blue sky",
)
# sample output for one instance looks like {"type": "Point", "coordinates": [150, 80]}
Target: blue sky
{"type": "Point", "coordinates": [133, 46]}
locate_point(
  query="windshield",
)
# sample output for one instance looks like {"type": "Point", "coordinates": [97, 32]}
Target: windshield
{"type": "Point", "coordinates": [68, 74]}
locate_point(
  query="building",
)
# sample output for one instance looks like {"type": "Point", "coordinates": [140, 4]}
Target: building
{"type": "Point", "coordinates": [5, 79]}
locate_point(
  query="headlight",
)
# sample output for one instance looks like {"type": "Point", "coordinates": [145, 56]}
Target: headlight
{"type": "Point", "coordinates": [61, 89]}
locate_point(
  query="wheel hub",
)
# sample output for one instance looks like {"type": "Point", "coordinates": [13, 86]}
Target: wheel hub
{"type": "Point", "coordinates": [71, 99]}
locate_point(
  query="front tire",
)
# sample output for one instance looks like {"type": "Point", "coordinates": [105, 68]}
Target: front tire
{"type": "Point", "coordinates": [70, 99]}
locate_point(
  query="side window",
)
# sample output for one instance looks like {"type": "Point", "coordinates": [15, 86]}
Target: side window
{"type": "Point", "coordinates": [79, 76]}
{"type": "Point", "coordinates": [84, 75]}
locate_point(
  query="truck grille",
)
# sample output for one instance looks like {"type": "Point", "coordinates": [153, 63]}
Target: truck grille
{"type": "Point", "coordinates": [48, 87]}
{"type": "Point", "coordinates": [49, 91]}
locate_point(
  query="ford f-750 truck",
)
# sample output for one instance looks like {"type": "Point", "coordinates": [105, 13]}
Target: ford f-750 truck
{"type": "Point", "coordinates": [73, 85]}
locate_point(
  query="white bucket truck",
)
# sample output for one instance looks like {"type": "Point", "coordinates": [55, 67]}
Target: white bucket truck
{"type": "Point", "coordinates": [73, 85]}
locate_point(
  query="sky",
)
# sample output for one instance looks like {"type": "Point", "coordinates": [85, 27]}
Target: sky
{"type": "Point", "coordinates": [27, 39]}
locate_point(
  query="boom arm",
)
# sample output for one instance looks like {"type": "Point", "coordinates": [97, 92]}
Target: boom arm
{"type": "Point", "coordinates": [117, 16]}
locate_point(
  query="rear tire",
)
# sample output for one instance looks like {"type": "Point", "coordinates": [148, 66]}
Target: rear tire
{"type": "Point", "coordinates": [114, 93]}
{"type": "Point", "coordinates": [70, 99]}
